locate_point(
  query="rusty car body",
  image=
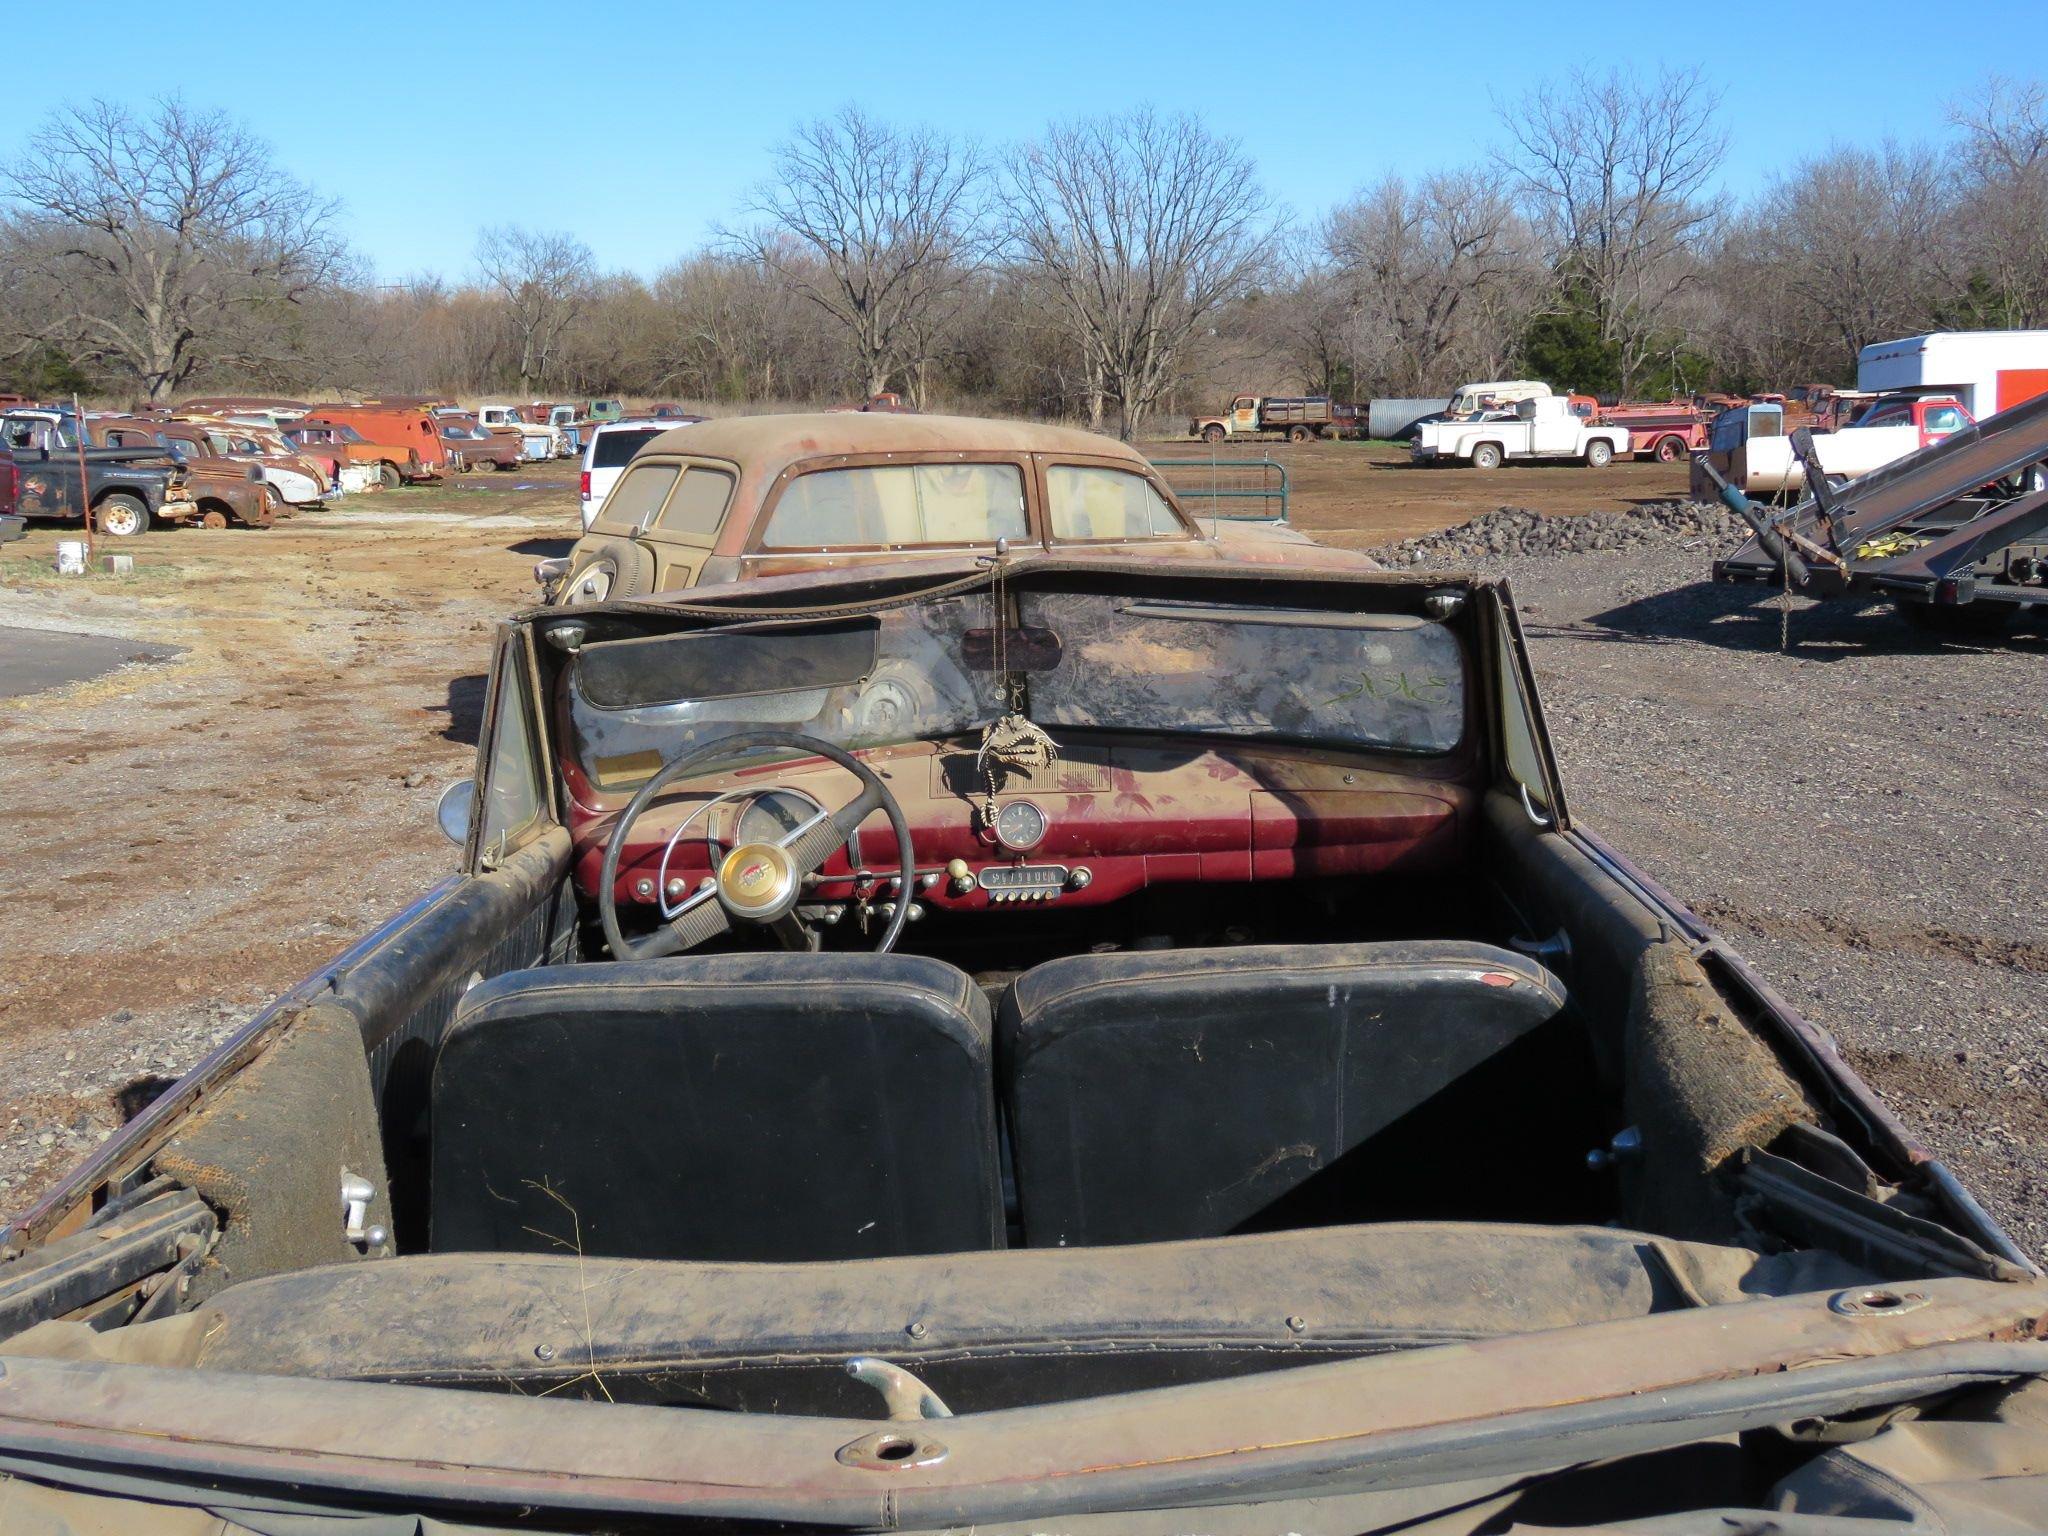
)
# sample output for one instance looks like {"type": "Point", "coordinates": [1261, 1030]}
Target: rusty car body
{"type": "Point", "coordinates": [1029, 1040]}
{"type": "Point", "coordinates": [225, 490]}
{"type": "Point", "coordinates": [295, 479]}
{"type": "Point", "coordinates": [754, 496]}
{"type": "Point", "coordinates": [385, 464]}
{"type": "Point", "coordinates": [404, 426]}
{"type": "Point", "coordinates": [477, 446]}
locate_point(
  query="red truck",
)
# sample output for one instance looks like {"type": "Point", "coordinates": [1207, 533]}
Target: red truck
{"type": "Point", "coordinates": [1666, 431]}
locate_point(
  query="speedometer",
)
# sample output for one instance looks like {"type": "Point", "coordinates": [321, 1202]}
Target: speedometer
{"type": "Point", "coordinates": [1020, 825]}
{"type": "Point", "coordinates": [773, 816]}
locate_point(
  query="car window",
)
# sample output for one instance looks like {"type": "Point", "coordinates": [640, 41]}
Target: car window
{"type": "Point", "coordinates": [900, 504]}
{"type": "Point", "coordinates": [1083, 502]}
{"type": "Point", "coordinates": [698, 506]}
{"type": "Point", "coordinates": [639, 493]}
{"type": "Point", "coordinates": [1944, 418]}
{"type": "Point", "coordinates": [513, 796]}
{"type": "Point", "coordinates": [615, 448]}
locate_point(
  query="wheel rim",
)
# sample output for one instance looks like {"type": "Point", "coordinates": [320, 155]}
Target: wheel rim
{"type": "Point", "coordinates": [119, 520]}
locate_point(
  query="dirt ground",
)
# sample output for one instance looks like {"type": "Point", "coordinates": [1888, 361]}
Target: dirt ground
{"type": "Point", "coordinates": [187, 837]}
{"type": "Point", "coordinates": [1355, 495]}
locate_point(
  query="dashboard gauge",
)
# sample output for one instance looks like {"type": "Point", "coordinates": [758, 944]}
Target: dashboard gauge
{"type": "Point", "coordinates": [772, 816]}
{"type": "Point", "coordinates": [1020, 825]}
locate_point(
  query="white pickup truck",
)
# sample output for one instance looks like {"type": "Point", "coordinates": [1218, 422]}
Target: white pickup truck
{"type": "Point", "coordinates": [538, 441]}
{"type": "Point", "coordinates": [1541, 428]}
{"type": "Point", "coordinates": [1750, 448]}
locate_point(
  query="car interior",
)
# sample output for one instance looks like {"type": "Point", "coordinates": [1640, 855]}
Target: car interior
{"type": "Point", "coordinates": [1282, 1027]}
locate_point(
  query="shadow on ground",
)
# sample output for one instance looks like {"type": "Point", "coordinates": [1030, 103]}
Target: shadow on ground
{"type": "Point", "coordinates": [465, 708]}
{"type": "Point", "coordinates": [1750, 618]}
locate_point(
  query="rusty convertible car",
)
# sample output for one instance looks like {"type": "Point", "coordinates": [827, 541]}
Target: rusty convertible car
{"type": "Point", "coordinates": [1035, 1041]}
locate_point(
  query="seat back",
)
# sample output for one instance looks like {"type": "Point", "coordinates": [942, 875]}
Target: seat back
{"type": "Point", "coordinates": [736, 1107]}
{"type": "Point", "coordinates": [1194, 1093]}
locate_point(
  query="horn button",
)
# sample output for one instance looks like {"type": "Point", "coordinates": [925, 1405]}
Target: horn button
{"type": "Point", "coordinates": [758, 881]}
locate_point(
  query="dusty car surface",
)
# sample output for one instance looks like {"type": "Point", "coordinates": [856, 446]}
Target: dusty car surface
{"type": "Point", "coordinates": [753, 496]}
{"type": "Point", "coordinates": [1055, 1042]}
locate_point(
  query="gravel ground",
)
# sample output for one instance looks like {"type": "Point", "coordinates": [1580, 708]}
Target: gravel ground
{"type": "Point", "coordinates": [1862, 810]}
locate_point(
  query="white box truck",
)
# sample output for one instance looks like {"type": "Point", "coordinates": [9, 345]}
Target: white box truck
{"type": "Point", "coordinates": [1988, 371]}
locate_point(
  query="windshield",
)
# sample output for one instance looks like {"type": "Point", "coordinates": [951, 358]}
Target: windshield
{"type": "Point", "coordinates": [1383, 682]}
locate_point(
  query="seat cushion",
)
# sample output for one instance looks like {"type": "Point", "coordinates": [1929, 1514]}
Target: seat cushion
{"type": "Point", "coordinates": [735, 1107]}
{"type": "Point", "coordinates": [1183, 1094]}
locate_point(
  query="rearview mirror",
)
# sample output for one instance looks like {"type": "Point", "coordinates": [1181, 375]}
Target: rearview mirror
{"type": "Point", "coordinates": [458, 802]}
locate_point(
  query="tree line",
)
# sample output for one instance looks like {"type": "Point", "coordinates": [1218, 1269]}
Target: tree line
{"type": "Point", "coordinates": [1110, 270]}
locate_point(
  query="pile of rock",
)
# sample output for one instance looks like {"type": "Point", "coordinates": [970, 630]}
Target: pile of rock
{"type": "Point", "coordinates": [1515, 533]}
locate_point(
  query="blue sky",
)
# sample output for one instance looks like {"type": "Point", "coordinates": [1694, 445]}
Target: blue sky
{"type": "Point", "coordinates": [640, 127]}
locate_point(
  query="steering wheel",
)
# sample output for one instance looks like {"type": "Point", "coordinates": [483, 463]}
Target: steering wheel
{"type": "Point", "coordinates": [756, 883]}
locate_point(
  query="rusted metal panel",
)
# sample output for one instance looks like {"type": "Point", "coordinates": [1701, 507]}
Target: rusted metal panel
{"type": "Point", "coordinates": [1527, 1401]}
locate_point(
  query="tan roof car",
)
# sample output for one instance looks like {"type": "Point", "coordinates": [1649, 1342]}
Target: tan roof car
{"type": "Point", "coordinates": [763, 495]}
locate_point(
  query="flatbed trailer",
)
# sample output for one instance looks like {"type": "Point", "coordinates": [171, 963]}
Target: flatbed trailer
{"type": "Point", "coordinates": [1956, 533]}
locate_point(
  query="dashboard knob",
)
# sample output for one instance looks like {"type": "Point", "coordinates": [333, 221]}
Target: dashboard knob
{"type": "Point", "coordinates": [962, 877]}
{"type": "Point", "coordinates": [1080, 879]}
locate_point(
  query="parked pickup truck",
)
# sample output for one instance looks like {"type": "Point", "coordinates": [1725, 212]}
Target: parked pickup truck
{"type": "Point", "coordinates": [1297, 417]}
{"type": "Point", "coordinates": [124, 487]}
{"type": "Point", "coordinates": [1750, 447]}
{"type": "Point", "coordinates": [538, 441]}
{"type": "Point", "coordinates": [1545, 427]}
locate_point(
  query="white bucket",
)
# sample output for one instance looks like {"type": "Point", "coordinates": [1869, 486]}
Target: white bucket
{"type": "Point", "coordinates": [71, 557]}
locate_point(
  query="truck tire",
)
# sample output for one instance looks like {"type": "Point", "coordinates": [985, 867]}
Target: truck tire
{"type": "Point", "coordinates": [120, 515]}
{"type": "Point", "coordinates": [1486, 456]}
{"type": "Point", "coordinates": [1298, 434]}
{"type": "Point", "coordinates": [1670, 449]}
{"type": "Point", "coordinates": [388, 475]}
{"type": "Point", "coordinates": [1212, 433]}
{"type": "Point", "coordinates": [1599, 453]}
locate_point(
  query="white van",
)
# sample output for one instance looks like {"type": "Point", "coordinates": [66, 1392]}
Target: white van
{"type": "Point", "coordinates": [612, 446]}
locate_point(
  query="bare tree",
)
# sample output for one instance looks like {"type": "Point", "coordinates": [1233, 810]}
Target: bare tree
{"type": "Point", "coordinates": [1851, 247]}
{"type": "Point", "coordinates": [873, 224]}
{"type": "Point", "coordinates": [2003, 219]}
{"type": "Point", "coordinates": [160, 234]}
{"type": "Point", "coordinates": [545, 279]}
{"type": "Point", "coordinates": [1142, 226]}
{"type": "Point", "coordinates": [1442, 276]}
{"type": "Point", "coordinates": [1614, 173]}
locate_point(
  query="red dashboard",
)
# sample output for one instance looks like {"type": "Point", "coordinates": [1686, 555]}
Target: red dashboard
{"type": "Point", "coordinates": [1112, 818]}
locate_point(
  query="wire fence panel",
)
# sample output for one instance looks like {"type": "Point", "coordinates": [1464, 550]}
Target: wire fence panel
{"type": "Point", "coordinates": [1238, 490]}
